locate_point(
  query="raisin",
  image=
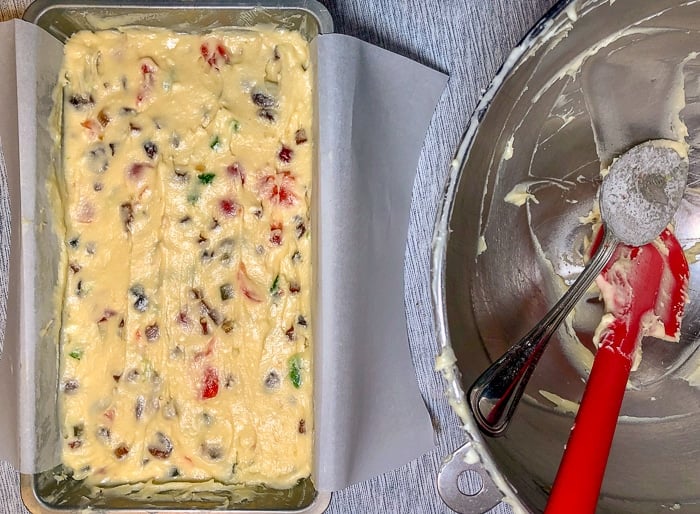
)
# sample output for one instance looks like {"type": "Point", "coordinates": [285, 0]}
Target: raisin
{"type": "Point", "coordinates": [214, 452]}
{"type": "Point", "coordinates": [152, 332]}
{"type": "Point", "coordinates": [263, 100]}
{"type": "Point", "coordinates": [302, 426]}
{"type": "Point", "coordinates": [272, 380]}
{"type": "Point", "coordinates": [182, 176]}
{"type": "Point", "coordinates": [290, 333]}
{"type": "Point", "coordinates": [226, 291]}
{"type": "Point", "coordinates": [126, 213]}
{"type": "Point", "coordinates": [162, 448]}
{"type": "Point", "coordinates": [140, 298]}
{"type": "Point", "coordinates": [204, 325]}
{"type": "Point", "coordinates": [151, 149]}
{"type": "Point", "coordinates": [104, 433]}
{"type": "Point", "coordinates": [121, 451]}
{"type": "Point", "coordinates": [81, 101]}
{"type": "Point", "coordinates": [70, 386]}
{"type": "Point", "coordinates": [300, 136]}
{"type": "Point", "coordinates": [267, 114]}
{"type": "Point", "coordinates": [103, 118]}
{"type": "Point", "coordinates": [300, 229]}
{"type": "Point", "coordinates": [74, 267]}
{"type": "Point", "coordinates": [227, 325]}
{"type": "Point", "coordinates": [301, 320]}
{"type": "Point", "coordinates": [139, 408]}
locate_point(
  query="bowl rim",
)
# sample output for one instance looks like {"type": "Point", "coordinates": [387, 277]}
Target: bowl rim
{"type": "Point", "coordinates": [440, 239]}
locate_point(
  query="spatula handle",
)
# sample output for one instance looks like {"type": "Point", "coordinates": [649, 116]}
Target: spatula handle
{"type": "Point", "coordinates": [577, 484]}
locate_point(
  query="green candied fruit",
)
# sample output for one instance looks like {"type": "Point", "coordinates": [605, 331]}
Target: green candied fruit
{"type": "Point", "coordinates": [206, 178]}
{"type": "Point", "coordinates": [274, 288]}
{"type": "Point", "coordinates": [295, 370]}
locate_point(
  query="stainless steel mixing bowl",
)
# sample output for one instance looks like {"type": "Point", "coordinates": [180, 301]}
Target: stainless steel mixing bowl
{"type": "Point", "coordinates": [591, 80]}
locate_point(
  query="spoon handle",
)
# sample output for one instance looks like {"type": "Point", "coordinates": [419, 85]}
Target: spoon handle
{"type": "Point", "coordinates": [496, 393]}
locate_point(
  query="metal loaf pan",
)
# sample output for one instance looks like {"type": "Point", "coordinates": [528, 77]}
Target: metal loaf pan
{"type": "Point", "coordinates": [50, 491]}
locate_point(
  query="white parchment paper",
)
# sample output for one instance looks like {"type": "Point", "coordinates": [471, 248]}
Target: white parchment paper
{"type": "Point", "coordinates": [373, 108]}
{"type": "Point", "coordinates": [28, 428]}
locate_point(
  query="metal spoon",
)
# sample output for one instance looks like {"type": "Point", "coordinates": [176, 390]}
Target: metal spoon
{"type": "Point", "coordinates": [638, 198]}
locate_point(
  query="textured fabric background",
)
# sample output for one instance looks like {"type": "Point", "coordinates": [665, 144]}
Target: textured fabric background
{"type": "Point", "coordinates": [469, 40]}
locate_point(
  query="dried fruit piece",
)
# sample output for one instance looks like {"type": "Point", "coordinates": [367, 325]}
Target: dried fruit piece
{"type": "Point", "coordinates": [285, 154]}
{"type": "Point", "coordinates": [236, 171]}
{"type": "Point", "coordinates": [214, 54]}
{"type": "Point", "coordinates": [151, 149]}
{"type": "Point", "coordinates": [302, 426]}
{"type": "Point", "coordinates": [272, 380]}
{"type": "Point", "coordinates": [121, 451]}
{"type": "Point", "coordinates": [81, 102]}
{"type": "Point", "coordinates": [148, 70]}
{"type": "Point", "coordinates": [226, 291]}
{"type": "Point", "coordinates": [70, 386]}
{"type": "Point", "coordinates": [140, 298]}
{"type": "Point", "coordinates": [103, 118]}
{"type": "Point", "coordinates": [275, 287]}
{"type": "Point", "coordinates": [279, 188]}
{"type": "Point", "coordinates": [162, 448]}
{"type": "Point", "coordinates": [290, 333]}
{"type": "Point", "coordinates": [139, 407]}
{"type": "Point", "coordinates": [210, 384]}
{"type": "Point", "coordinates": [300, 136]}
{"type": "Point", "coordinates": [300, 228]}
{"type": "Point", "coordinates": [126, 213]}
{"type": "Point", "coordinates": [276, 234]}
{"type": "Point", "coordinates": [227, 325]}
{"type": "Point", "coordinates": [206, 178]}
{"type": "Point", "coordinates": [229, 207]}
{"type": "Point", "coordinates": [213, 451]}
{"type": "Point", "coordinates": [152, 332]}
{"type": "Point", "coordinates": [204, 325]}
{"type": "Point", "coordinates": [263, 99]}
{"type": "Point", "coordinates": [295, 371]}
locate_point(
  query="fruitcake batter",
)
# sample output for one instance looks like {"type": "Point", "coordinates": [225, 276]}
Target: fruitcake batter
{"type": "Point", "coordinates": [185, 349]}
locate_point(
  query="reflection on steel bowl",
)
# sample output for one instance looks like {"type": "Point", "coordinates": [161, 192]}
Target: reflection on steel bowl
{"type": "Point", "coordinates": [593, 79]}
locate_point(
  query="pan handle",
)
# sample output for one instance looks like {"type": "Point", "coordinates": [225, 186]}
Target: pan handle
{"type": "Point", "coordinates": [466, 460]}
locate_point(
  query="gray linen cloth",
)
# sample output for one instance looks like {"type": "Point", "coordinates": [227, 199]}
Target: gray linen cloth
{"type": "Point", "coordinates": [469, 40]}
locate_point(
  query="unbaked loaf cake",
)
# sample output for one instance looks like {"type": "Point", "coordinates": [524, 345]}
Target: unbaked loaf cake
{"type": "Point", "coordinates": [186, 329]}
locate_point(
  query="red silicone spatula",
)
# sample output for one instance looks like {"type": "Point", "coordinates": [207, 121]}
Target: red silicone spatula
{"type": "Point", "coordinates": [648, 283]}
